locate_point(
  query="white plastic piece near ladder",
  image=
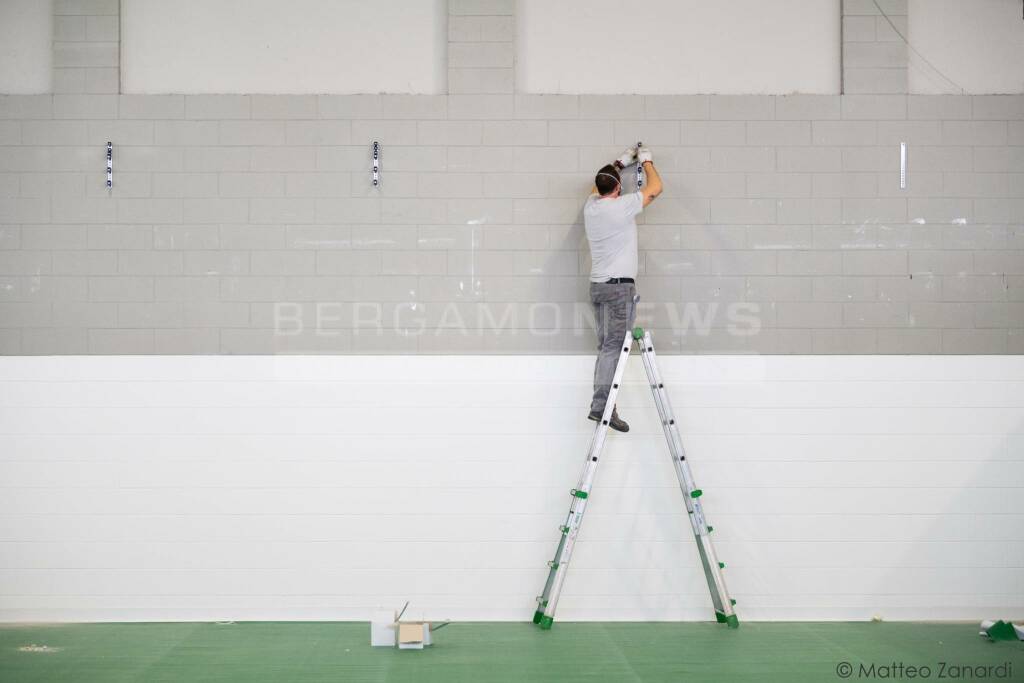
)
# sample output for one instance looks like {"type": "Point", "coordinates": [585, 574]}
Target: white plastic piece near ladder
{"type": "Point", "coordinates": [547, 602]}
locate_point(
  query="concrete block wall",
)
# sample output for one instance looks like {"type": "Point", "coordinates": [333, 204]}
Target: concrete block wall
{"type": "Point", "coordinates": [228, 211]}
{"type": "Point", "coordinates": [481, 46]}
{"type": "Point", "coordinates": [248, 224]}
{"type": "Point", "coordinates": [874, 53]}
{"type": "Point", "coordinates": [86, 46]}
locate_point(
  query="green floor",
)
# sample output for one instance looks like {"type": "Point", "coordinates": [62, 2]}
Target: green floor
{"type": "Point", "coordinates": [291, 652]}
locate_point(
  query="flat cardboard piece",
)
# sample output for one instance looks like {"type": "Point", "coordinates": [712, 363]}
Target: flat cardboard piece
{"type": "Point", "coordinates": [411, 634]}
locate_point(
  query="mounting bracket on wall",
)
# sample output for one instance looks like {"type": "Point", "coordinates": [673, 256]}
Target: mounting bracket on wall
{"type": "Point", "coordinates": [903, 165]}
{"type": "Point", "coordinates": [110, 165]}
{"type": "Point", "coordinates": [375, 170]}
{"type": "Point", "coordinates": [639, 167]}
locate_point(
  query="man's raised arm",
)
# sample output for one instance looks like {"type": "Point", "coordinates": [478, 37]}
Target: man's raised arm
{"type": "Point", "coordinates": [653, 188]}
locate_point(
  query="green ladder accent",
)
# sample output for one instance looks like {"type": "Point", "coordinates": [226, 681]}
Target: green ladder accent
{"type": "Point", "coordinates": [731, 620]}
{"type": "Point", "coordinates": [547, 602]}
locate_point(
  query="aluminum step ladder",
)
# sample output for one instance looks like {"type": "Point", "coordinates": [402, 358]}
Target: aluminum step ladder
{"type": "Point", "coordinates": [548, 601]}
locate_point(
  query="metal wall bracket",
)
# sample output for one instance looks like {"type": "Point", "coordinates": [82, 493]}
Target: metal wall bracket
{"type": "Point", "coordinates": [375, 149]}
{"type": "Point", "coordinates": [639, 167]}
{"type": "Point", "coordinates": [110, 165]}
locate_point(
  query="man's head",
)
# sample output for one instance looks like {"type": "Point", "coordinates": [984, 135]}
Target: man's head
{"type": "Point", "coordinates": [608, 182]}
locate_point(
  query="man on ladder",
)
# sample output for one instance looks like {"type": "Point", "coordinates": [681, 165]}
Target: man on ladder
{"type": "Point", "coordinates": [610, 220]}
{"type": "Point", "coordinates": [611, 229]}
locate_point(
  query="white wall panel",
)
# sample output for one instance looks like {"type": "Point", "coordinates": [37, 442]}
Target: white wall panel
{"type": "Point", "coordinates": [263, 46]}
{"type": "Point", "coordinates": [842, 487]}
{"type": "Point", "coordinates": [26, 46]}
{"type": "Point", "coordinates": [678, 46]}
{"type": "Point", "coordinates": [972, 46]}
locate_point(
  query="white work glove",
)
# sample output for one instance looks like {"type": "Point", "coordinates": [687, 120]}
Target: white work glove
{"type": "Point", "coordinates": [628, 157]}
{"type": "Point", "coordinates": [643, 154]}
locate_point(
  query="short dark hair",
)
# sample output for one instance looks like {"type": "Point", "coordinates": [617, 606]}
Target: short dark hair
{"type": "Point", "coordinates": [607, 179]}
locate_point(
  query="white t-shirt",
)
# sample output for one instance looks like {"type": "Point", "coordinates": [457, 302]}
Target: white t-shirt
{"type": "Point", "coordinates": [611, 230]}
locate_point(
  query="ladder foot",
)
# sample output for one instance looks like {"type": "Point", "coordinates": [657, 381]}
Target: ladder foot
{"type": "Point", "coordinates": [545, 622]}
{"type": "Point", "coordinates": [731, 620]}
{"type": "Point", "coordinates": [537, 616]}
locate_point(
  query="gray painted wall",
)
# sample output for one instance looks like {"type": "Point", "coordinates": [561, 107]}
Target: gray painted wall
{"type": "Point", "coordinates": [247, 223]}
{"type": "Point", "coordinates": [224, 205]}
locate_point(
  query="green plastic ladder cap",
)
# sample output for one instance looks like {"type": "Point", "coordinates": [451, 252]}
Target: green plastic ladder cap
{"type": "Point", "coordinates": [696, 493]}
{"type": "Point", "coordinates": [545, 622]}
{"type": "Point", "coordinates": [731, 620]}
{"type": "Point", "coordinates": [537, 616]}
{"type": "Point", "coordinates": [638, 333]}
{"type": "Point", "coordinates": [564, 529]}
{"type": "Point", "coordinates": [732, 601]}
{"type": "Point", "coordinates": [721, 565]}
{"type": "Point", "coordinates": [710, 529]}
{"type": "Point", "coordinates": [579, 494]}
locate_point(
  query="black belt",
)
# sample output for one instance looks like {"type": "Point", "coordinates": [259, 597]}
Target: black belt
{"type": "Point", "coordinates": [618, 280]}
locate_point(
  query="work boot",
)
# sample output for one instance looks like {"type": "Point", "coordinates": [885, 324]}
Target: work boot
{"type": "Point", "coordinates": [616, 423]}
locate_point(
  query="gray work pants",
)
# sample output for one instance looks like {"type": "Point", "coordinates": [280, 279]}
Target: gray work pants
{"type": "Point", "coordinates": [614, 312]}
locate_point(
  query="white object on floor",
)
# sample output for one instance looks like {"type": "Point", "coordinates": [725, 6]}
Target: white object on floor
{"type": "Point", "coordinates": [382, 628]}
